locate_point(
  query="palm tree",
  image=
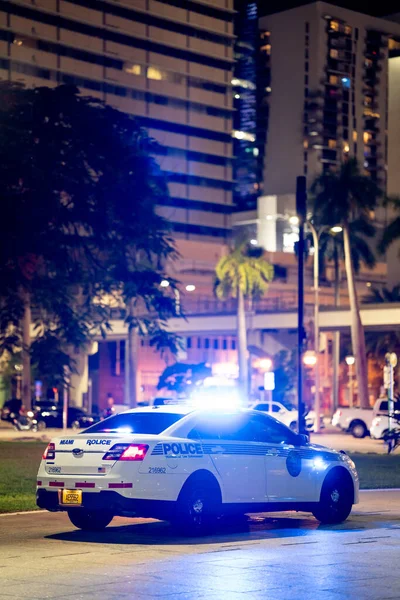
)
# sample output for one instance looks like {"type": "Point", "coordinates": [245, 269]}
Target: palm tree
{"type": "Point", "coordinates": [380, 295]}
{"type": "Point", "coordinates": [243, 274]}
{"type": "Point", "coordinates": [348, 198]}
{"type": "Point", "coordinates": [392, 231]}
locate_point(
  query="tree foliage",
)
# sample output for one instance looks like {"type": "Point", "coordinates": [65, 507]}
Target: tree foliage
{"type": "Point", "coordinates": [183, 377]}
{"type": "Point", "coordinates": [78, 191]}
{"type": "Point", "coordinates": [391, 233]}
{"type": "Point", "coordinates": [244, 269]}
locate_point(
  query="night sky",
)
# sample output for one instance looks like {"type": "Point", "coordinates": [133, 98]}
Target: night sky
{"type": "Point", "coordinates": [379, 9]}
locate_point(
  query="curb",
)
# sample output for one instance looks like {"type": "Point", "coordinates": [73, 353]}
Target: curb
{"type": "Point", "coordinates": [23, 512]}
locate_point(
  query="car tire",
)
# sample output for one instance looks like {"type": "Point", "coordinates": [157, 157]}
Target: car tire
{"type": "Point", "coordinates": [41, 426]}
{"type": "Point", "coordinates": [336, 501]}
{"type": "Point", "coordinates": [90, 520]}
{"type": "Point", "coordinates": [198, 507]}
{"type": "Point", "coordinates": [358, 429]}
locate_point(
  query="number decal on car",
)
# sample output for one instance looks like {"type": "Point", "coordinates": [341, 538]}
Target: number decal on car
{"type": "Point", "coordinates": [54, 470]}
{"type": "Point", "coordinates": [157, 470]}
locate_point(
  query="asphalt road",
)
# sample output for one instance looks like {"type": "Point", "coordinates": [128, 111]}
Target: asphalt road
{"type": "Point", "coordinates": [275, 557]}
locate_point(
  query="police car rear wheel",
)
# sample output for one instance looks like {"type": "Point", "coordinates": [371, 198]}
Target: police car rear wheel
{"type": "Point", "coordinates": [336, 502]}
{"type": "Point", "coordinates": [198, 508]}
{"type": "Point", "coordinates": [90, 520]}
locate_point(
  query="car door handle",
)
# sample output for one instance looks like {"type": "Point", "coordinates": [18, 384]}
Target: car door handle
{"type": "Point", "coordinates": [272, 452]}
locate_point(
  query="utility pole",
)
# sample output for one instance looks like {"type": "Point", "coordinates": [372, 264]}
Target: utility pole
{"type": "Point", "coordinates": [301, 209]}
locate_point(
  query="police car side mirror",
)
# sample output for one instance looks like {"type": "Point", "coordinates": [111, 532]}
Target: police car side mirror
{"type": "Point", "coordinates": [302, 439]}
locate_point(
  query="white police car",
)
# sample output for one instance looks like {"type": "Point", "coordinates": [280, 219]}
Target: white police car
{"type": "Point", "coordinates": [191, 467]}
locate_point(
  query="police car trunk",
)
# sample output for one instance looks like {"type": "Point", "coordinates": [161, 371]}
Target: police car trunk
{"type": "Point", "coordinates": [107, 465]}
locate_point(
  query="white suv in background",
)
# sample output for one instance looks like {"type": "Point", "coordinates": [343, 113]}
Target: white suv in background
{"type": "Point", "coordinates": [287, 414]}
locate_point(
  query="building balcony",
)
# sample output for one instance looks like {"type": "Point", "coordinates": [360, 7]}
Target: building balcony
{"type": "Point", "coordinates": [374, 54]}
{"type": "Point", "coordinates": [373, 143]}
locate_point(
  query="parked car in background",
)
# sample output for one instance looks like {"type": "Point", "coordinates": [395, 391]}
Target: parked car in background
{"type": "Point", "coordinates": [287, 414]}
{"type": "Point", "coordinates": [358, 421]}
{"type": "Point", "coordinates": [52, 416]}
{"type": "Point", "coordinates": [380, 423]}
{"type": "Point", "coordinates": [11, 409]}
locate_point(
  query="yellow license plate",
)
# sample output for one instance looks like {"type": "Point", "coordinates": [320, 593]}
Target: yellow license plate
{"type": "Point", "coordinates": [71, 497]}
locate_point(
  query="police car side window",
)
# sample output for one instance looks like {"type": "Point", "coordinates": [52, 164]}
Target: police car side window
{"type": "Point", "coordinates": [262, 407]}
{"type": "Point", "coordinates": [237, 428]}
{"type": "Point", "coordinates": [269, 431]}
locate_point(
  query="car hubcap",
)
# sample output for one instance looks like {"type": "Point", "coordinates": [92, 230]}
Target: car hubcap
{"type": "Point", "coordinates": [335, 496]}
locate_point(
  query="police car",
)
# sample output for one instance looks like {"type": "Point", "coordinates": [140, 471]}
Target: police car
{"type": "Point", "coordinates": [192, 467]}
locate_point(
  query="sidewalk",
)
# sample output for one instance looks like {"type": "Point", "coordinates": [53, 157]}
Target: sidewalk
{"type": "Point", "coordinates": [331, 439]}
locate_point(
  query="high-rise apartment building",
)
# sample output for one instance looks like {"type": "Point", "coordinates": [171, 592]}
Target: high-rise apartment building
{"type": "Point", "coordinates": [168, 62]}
{"type": "Point", "coordinates": [330, 76]}
{"type": "Point", "coordinates": [244, 82]}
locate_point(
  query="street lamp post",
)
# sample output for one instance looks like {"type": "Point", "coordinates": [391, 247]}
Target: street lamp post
{"type": "Point", "coordinates": [350, 360]}
{"type": "Point", "coordinates": [316, 235]}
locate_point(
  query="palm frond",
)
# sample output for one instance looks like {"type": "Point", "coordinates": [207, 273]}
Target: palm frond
{"type": "Point", "coordinates": [390, 235]}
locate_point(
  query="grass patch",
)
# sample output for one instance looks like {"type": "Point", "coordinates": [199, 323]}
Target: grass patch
{"type": "Point", "coordinates": [19, 462]}
{"type": "Point", "coordinates": [378, 470]}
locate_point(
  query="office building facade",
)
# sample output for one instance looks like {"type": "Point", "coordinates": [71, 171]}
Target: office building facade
{"type": "Point", "coordinates": [169, 63]}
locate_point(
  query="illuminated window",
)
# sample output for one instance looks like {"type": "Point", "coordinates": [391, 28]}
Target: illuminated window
{"type": "Point", "coordinates": [332, 144]}
{"type": "Point", "coordinates": [133, 69]}
{"type": "Point", "coordinates": [394, 45]}
{"type": "Point", "coordinates": [367, 101]}
{"type": "Point", "coordinates": [334, 25]}
{"type": "Point", "coordinates": [346, 147]}
{"type": "Point", "coordinates": [333, 79]}
{"type": "Point", "coordinates": [154, 73]}
{"type": "Point", "coordinates": [305, 144]}
{"type": "Point", "coordinates": [354, 136]}
{"type": "Point", "coordinates": [242, 135]}
{"type": "Point", "coordinates": [333, 53]}
{"type": "Point", "coordinates": [367, 137]}
{"type": "Point", "coordinates": [347, 30]}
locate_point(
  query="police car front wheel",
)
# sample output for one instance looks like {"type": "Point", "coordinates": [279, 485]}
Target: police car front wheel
{"type": "Point", "coordinates": [90, 520]}
{"type": "Point", "coordinates": [198, 507]}
{"type": "Point", "coordinates": [336, 501]}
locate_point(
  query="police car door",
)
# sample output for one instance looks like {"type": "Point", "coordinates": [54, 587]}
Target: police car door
{"type": "Point", "coordinates": [230, 441]}
{"type": "Point", "coordinates": [289, 467]}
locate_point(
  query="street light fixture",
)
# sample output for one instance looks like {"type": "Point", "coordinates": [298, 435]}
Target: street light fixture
{"type": "Point", "coordinates": [310, 358]}
{"type": "Point", "coordinates": [190, 287]}
{"type": "Point", "coordinates": [350, 360]}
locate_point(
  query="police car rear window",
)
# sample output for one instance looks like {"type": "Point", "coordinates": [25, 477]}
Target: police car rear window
{"type": "Point", "coordinates": [152, 423]}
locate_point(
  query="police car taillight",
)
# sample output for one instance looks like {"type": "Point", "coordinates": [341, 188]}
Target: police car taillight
{"type": "Point", "coordinates": [131, 452]}
{"type": "Point", "coordinates": [50, 452]}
